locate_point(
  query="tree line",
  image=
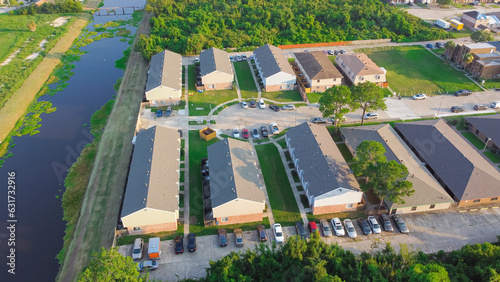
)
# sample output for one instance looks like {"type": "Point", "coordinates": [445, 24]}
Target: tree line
{"type": "Point", "coordinates": [59, 7]}
{"type": "Point", "coordinates": [187, 26]}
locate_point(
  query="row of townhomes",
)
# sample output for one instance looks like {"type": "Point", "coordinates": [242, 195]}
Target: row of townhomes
{"type": "Point", "coordinates": [310, 72]}
{"type": "Point", "coordinates": [486, 61]}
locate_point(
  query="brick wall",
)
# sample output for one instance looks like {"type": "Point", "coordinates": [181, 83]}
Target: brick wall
{"type": "Point", "coordinates": [270, 88]}
{"type": "Point", "coordinates": [242, 219]}
{"type": "Point", "coordinates": [171, 226]}
{"type": "Point", "coordinates": [333, 208]}
{"type": "Point", "coordinates": [483, 201]}
{"type": "Point", "coordinates": [219, 86]}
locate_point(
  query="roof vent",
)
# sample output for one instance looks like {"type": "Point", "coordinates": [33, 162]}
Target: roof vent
{"type": "Point", "coordinates": [152, 140]}
{"type": "Point", "coordinates": [145, 184]}
{"type": "Point", "coordinates": [229, 163]}
{"type": "Point", "coordinates": [147, 172]}
{"type": "Point", "coordinates": [234, 191]}
{"type": "Point", "coordinates": [149, 160]}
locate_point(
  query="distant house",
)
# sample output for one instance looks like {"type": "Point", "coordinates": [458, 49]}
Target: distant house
{"type": "Point", "coordinates": [486, 128]}
{"type": "Point", "coordinates": [274, 69]}
{"type": "Point", "coordinates": [473, 19]}
{"type": "Point", "coordinates": [358, 68]}
{"type": "Point", "coordinates": [164, 82]}
{"type": "Point", "coordinates": [151, 202]}
{"type": "Point", "coordinates": [459, 168]}
{"type": "Point", "coordinates": [216, 70]}
{"type": "Point", "coordinates": [429, 195]}
{"type": "Point", "coordinates": [236, 183]}
{"type": "Point", "coordinates": [328, 181]}
{"type": "Point", "coordinates": [318, 72]}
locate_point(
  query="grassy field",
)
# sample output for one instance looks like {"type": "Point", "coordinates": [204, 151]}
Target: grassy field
{"type": "Point", "coordinates": [200, 104]}
{"type": "Point", "coordinates": [491, 83]}
{"type": "Point", "coordinates": [492, 156]}
{"type": "Point", "coordinates": [7, 42]}
{"type": "Point", "coordinates": [412, 69]}
{"type": "Point", "coordinates": [283, 96]}
{"type": "Point", "coordinates": [245, 80]}
{"type": "Point", "coordinates": [314, 97]}
{"type": "Point", "coordinates": [474, 140]}
{"type": "Point", "coordinates": [285, 209]}
{"type": "Point", "coordinates": [95, 227]}
{"type": "Point", "coordinates": [438, 51]}
{"type": "Point", "coordinates": [345, 152]}
{"type": "Point", "coordinates": [461, 33]}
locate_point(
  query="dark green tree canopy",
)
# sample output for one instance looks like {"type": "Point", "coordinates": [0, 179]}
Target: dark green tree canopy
{"type": "Point", "coordinates": [481, 36]}
{"type": "Point", "coordinates": [336, 102]}
{"type": "Point", "coordinates": [369, 97]}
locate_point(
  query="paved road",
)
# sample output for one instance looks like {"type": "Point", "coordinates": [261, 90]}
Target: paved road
{"type": "Point", "coordinates": [429, 232]}
{"type": "Point", "coordinates": [438, 13]}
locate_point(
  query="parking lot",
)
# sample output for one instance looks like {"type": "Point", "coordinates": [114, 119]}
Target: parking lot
{"type": "Point", "coordinates": [429, 232]}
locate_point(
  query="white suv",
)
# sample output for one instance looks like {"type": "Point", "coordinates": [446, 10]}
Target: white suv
{"type": "Point", "coordinates": [262, 105]}
{"type": "Point", "coordinates": [337, 227]}
{"type": "Point", "coordinates": [278, 233]}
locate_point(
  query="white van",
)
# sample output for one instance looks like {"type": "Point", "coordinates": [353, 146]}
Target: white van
{"type": "Point", "coordinates": [262, 105]}
{"type": "Point", "coordinates": [495, 105]}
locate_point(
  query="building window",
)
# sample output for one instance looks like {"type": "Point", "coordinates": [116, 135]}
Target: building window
{"type": "Point", "coordinates": [137, 229]}
{"type": "Point", "coordinates": [377, 77]}
{"type": "Point", "coordinates": [349, 206]}
{"type": "Point", "coordinates": [317, 81]}
{"type": "Point", "coordinates": [361, 78]}
{"type": "Point", "coordinates": [413, 208]}
{"type": "Point", "coordinates": [224, 219]}
{"type": "Point", "coordinates": [477, 131]}
{"type": "Point", "coordinates": [494, 199]}
{"type": "Point", "coordinates": [476, 201]}
{"type": "Point", "coordinates": [432, 206]}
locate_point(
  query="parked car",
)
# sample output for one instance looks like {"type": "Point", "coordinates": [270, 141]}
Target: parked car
{"type": "Point", "coordinates": [463, 92]}
{"type": "Point", "coordinates": [159, 113]}
{"type": "Point", "coordinates": [371, 116]}
{"type": "Point", "coordinates": [261, 231]}
{"type": "Point", "coordinates": [168, 112]}
{"type": "Point", "coordinates": [374, 225]}
{"type": "Point", "coordinates": [179, 245]}
{"type": "Point", "coordinates": [420, 96]}
{"type": "Point", "coordinates": [236, 133]}
{"type": "Point", "coordinates": [301, 231]}
{"type": "Point", "coordinates": [386, 222]}
{"type": "Point", "coordinates": [336, 52]}
{"type": "Point", "coordinates": [222, 237]}
{"type": "Point", "coordinates": [312, 227]}
{"type": "Point", "coordinates": [480, 107]}
{"type": "Point", "coordinates": [288, 107]}
{"type": "Point", "coordinates": [244, 105]}
{"type": "Point", "coordinates": [191, 242]}
{"type": "Point", "coordinates": [244, 57]}
{"type": "Point", "coordinates": [307, 51]}
{"type": "Point", "coordinates": [337, 227]}
{"type": "Point", "coordinates": [264, 132]}
{"type": "Point", "coordinates": [137, 250]}
{"type": "Point", "coordinates": [255, 133]}
{"type": "Point", "coordinates": [245, 133]}
{"type": "Point", "coordinates": [196, 60]}
{"type": "Point", "coordinates": [342, 51]}
{"type": "Point", "coordinates": [430, 46]}
{"type": "Point", "coordinates": [238, 58]}
{"type": "Point", "coordinates": [253, 104]}
{"type": "Point", "coordinates": [262, 105]}
{"type": "Point", "coordinates": [148, 265]}
{"type": "Point", "coordinates": [410, 4]}
{"type": "Point", "coordinates": [401, 223]}
{"type": "Point", "coordinates": [274, 108]}
{"type": "Point", "coordinates": [274, 128]}
{"type": "Point", "coordinates": [457, 109]}
{"type": "Point", "coordinates": [252, 57]}
{"type": "Point", "coordinates": [325, 228]}
{"type": "Point", "coordinates": [318, 120]}
{"type": "Point", "coordinates": [365, 226]}
{"type": "Point", "coordinates": [231, 58]}
{"type": "Point", "coordinates": [439, 45]}
{"type": "Point", "coordinates": [349, 227]}
{"type": "Point", "coordinates": [330, 52]}
{"type": "Point", "coordinates": [278, 233]}
{"type": "Point", "coordinates": [238, 237]}
{"type": "Point", "coordinates": [495, 105]}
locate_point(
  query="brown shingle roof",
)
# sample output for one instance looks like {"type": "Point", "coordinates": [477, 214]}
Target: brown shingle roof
{"type": "Point", "coordinates": [317, 65]}
{"type": "Point", "coordinates": [360, 64]}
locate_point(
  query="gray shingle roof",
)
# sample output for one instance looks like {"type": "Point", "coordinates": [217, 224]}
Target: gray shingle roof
{"type": "Point", "coordinates": [155, 163]}
{"type": "Point", "coordinates": [427, 190]}
{"type": "Point", "coordinates": [272, 61]}
{"type": "Point", "coordinates": [488, 125]}
{"type": "Point", "coordinates": [233, 172]}
{"type": "Point", "coordinates": [214, 59]}
{"type": "Point", "coordinates": [462, 169]}
{"type": "Point", "coordinates": [317, 65]}
{"type": "Point", "coordinates": [165, 69]}
{"type": "Point", "coordinates": [319, 157]}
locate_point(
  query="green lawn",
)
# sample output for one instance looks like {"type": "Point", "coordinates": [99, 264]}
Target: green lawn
{"type": "Point", "coordinates": [438, 51]}
{"type": "Point", "coordinates": [200, 104]}
{"type": "Point", "coordinates": [7, 41]}
{"type": "Point", "coordinates": [332, 59]}
{"type": "Point", "coordinates": [491, 83]}
{"type": "Point", "coordinates": [387, 92]}
{"type": "Point", "coordinates": [285, 209]}
{"type": "Point", "coordinates": [283, 96]}
{"type": "Point", "coordinates": [345, 152]}
{"type": "Point", "coordinates": [457, 121]}
{"type": "Point", "coordinates": [314, 97]}
{"type": "Point", "coordinates": [460, 33]}
{"type": "Point", "coordinates": [282, 143]}
{"type": "Point", "coordinates": [191, 78]}
{"type": "Point", "coordinates": [245, 80]}
{"type": "Point", "coordinates": [492, 156]}
{"type": "Point", "coordinates": [412, 69]}
{"type": "Point", "coordinates": [197, 151]}
{"type": "Point", "coordinates": [474, 140]}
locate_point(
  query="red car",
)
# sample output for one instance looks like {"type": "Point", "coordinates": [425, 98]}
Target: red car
{"type": "Point", "coordinates": [312, 227]}
{"type": "Point", "coordinates": [245, 133]}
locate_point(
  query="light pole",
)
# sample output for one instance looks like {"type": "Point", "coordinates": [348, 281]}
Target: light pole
{"type": "Point", "coordinates": [487, 140]}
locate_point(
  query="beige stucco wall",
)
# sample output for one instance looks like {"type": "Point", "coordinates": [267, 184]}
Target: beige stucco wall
{"type": "Point", "coordinates": [422, 208]}
{"type": "Point", "coordinates": [238, 207]}
{"type": "Point", "coordinates": [163, 93]}
{"type": "Point", "coordinates": [217, 77]}
{"type": "Point", "coordinates": [371, 78]}
{"type": "Point", "coordinates": [148, 216]}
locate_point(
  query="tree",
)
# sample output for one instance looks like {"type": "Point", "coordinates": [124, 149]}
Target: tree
{"type": "Point", "coordinates": [335, 103]}
{"type": "Point", "coordinates": [443, 3]}
{"type": "Point", "coordinates": [32, 26]}
{"type": "Point", "coordinates": [110, 265]}
{"type": "Point", "coordinates": [158, 7]}
{"type": "Point", "coordinates": [368, 96]}
{"type": "Point", "coordinates": [429, 272]}
{"type": "Point", "coordinates": [449, 46]}
{"type": "Point", "coordinates": [467, 59]}
{"type": "Point", "coordinates": [385, 179]}
{"type": "Point", "coordinates": [481, 36]}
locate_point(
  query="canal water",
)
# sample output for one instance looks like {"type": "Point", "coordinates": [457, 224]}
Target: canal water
{"type": "Point", "coordinates": [40, 162]}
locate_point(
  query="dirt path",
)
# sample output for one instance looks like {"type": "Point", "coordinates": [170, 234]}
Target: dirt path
{"type": "Point", "coordinates": [99, 214]}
